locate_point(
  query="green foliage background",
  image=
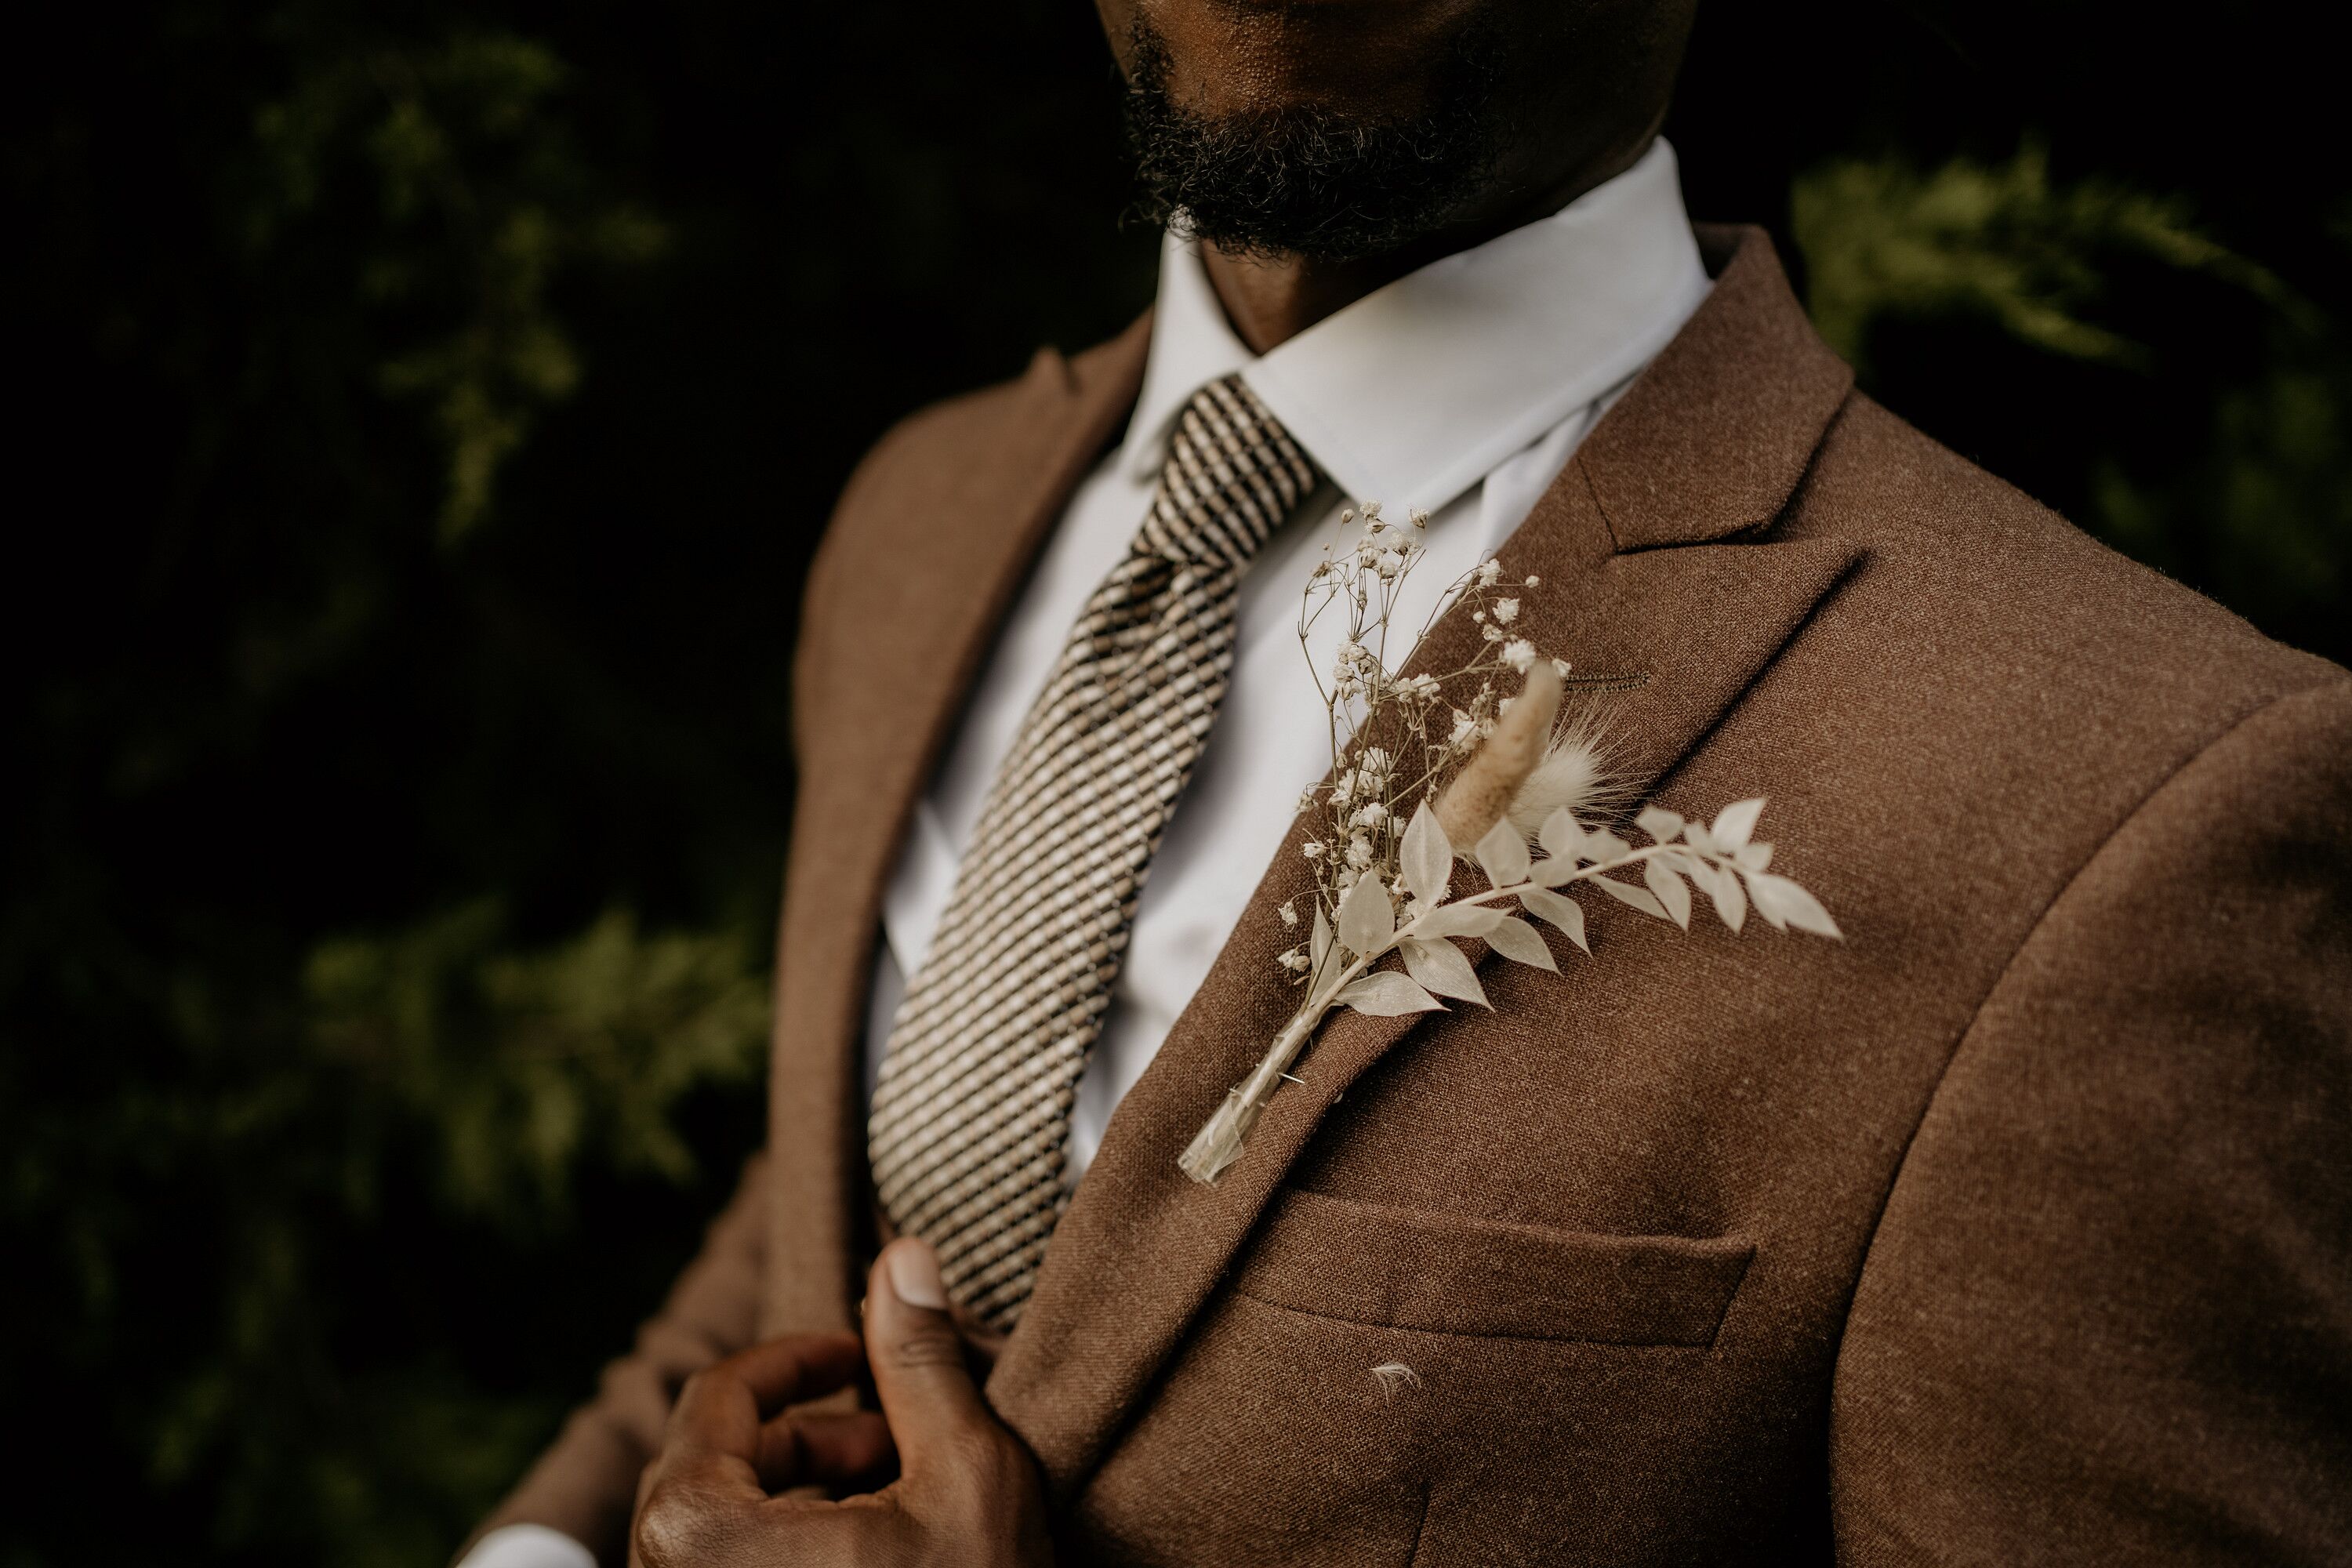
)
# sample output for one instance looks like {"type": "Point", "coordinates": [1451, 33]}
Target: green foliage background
{"type": "Point", "coordinates": [425, 413]}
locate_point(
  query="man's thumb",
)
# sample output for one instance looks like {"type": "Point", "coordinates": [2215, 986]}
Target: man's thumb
{"type": "Point", "coordinates": [918, 1358]}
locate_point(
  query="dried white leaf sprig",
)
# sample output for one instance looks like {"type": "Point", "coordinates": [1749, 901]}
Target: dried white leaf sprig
{"type": "Point", "coordinates": [1382, 887]}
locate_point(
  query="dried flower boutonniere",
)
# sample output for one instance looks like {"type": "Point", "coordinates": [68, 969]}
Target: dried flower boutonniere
{"type": "Point", "coordinates": [1514, 779]}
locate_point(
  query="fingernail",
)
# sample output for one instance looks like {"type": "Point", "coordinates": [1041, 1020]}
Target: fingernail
{"type": "Point", "coordinates": [914, 1275]}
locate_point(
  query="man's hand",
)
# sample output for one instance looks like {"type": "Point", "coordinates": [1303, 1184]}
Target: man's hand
{"type": "Point", "coordinates": [967, 1492]}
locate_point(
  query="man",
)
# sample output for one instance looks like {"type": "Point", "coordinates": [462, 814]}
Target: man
{"type": "Point", "coordinates": [2011, 1229]}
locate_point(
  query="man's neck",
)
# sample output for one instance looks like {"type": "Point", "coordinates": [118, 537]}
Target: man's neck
{"type": "Point", "coordinates": [1271, 300]}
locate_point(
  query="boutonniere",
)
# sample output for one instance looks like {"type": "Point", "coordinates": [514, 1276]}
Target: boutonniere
{"type": "Point", "coordinates": [1429, 770]}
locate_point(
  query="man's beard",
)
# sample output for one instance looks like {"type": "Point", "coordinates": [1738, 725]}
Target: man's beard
{"type": "Point", "coordinates": [1311, 181]}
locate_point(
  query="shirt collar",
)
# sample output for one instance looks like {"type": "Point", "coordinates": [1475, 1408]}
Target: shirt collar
{"type": "Point", "coordinates": [1413, 393]}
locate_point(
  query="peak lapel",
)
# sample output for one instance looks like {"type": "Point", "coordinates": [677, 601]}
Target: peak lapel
{"type": "Point", "coordinates": [1716, 433]}
{"type": "Point", "coordinates": [1638, 575]}
{"type": "Point", "coordinates": [929, 570]}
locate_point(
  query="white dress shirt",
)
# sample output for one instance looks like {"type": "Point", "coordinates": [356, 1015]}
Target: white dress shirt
{"type": "Point", "coordinates": [1460, 390]}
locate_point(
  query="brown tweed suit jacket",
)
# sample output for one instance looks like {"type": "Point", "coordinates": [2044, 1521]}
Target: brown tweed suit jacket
{"type": "Point", "coordinates": [2017, 1227]}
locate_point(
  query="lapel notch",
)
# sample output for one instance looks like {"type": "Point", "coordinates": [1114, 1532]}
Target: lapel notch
{"type": "Point", "coordinates": [1715, 435]}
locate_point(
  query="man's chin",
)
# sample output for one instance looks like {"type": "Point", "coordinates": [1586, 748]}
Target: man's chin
{"type": "Point", "coordinates": [1326, 180]}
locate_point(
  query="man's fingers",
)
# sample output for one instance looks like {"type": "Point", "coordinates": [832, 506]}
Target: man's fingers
{"type": "Point", "coordinates": [935, 1410]}
{"type": "Point", "coordinates": [981, 1343]}
{"type": "Point", "coordinates": [646, 1480]}
{"type": "Point", "coordinates": [721, 1407]}
{"type": "Point", "coordinates": [849, 1451]}
{"type": "Point", "coordinates": [797, 1367]}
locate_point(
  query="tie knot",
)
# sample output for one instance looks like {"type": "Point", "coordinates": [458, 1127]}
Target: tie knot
{"type": "Point", "coordinates": [1233, 474]}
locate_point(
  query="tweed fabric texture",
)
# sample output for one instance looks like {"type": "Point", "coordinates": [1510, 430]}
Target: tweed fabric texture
{"type": "Point", "coordinates": [972, 1114]}
{"type": "Point", "coordinates": [2012, 1229]}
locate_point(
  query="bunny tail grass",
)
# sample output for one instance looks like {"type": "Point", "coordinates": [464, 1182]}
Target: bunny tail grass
{"type": "Point", "coordinates": [1481, 793]}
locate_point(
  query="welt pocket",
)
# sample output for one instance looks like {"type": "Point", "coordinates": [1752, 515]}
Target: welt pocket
{"type": "Point", "coordinates": [1413, 1268]}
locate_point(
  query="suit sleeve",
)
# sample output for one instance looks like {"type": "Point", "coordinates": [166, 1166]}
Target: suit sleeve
{"type": "Point", "coordinates": [2107, 1313]}
{"type": "Point", "coordinates": [585, 1485]}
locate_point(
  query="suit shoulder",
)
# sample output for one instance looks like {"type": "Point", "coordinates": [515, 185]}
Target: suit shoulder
{"type": "Point", "coordinates": [1972, 565]}
{"type": "Point", "coordinates": [942, 452]}
{"type": "Point", "coordinates": [953, 487]}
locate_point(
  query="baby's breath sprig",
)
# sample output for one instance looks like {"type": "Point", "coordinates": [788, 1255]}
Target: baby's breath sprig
{"type": "Point", "coordinates": [1385, 838]}
{"type": "Point", "coordinates": [1392, 738]}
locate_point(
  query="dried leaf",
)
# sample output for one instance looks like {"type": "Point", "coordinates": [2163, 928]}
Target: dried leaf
{"type": "Point", "coordinates": [1457, 920]}
{"type": "Point", "coordinates": [1735, 822]}
{"type": "Point", "coordinates": [1625, 893]}
{"type": "Point", "coordinates": [1560, 837]}
{"type": "Point", "coordinates": [1319, 941]}
{"type": "Point", "coordinates": [1367, 919]}
{"type": "Point", "coordinates": [1502, 856]}
{"type": "Point", "coordinates": [1518, 942]}
{"type": "Point", "coordinates": [1428, 858]}
{"type": "Point", "coordinates": [1560, 909]}
{"type": "Point", "coordinates": [1722, 886]}
{"type": "Point", "coordinates": [1753, 857]}
{"type": "Point", "coordinates": [1388, 995]}
{"type": "Point", "coordinates": [1602, 848]}
{"type": "Point", "coordinates": [1659, 824]}
{"type": "Point", "coordinates": [1672, 891]}
{"type": "Point", "coordinates": [1443, 969]}
{"type": "Point", "coordinates": [1783, 903]}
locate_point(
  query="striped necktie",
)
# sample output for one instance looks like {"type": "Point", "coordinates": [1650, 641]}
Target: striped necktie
{"type": "Point", "coordinates": [972, 1114]}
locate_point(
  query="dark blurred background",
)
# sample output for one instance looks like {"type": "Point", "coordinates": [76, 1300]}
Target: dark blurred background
{"type": "Point", "coordinates": [423, 413]}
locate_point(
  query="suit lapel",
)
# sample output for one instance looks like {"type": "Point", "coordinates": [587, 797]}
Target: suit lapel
{"type": "Point", "coordinates": [1650, 563]}
{"type": "Point", "coordinates": [901, 623]}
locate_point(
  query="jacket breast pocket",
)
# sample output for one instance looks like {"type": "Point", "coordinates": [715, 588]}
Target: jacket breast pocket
{"type": "Point", "coordinates": [1389, 1385]}
{"type": "Point", "coordinates": [1408, 1269]}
